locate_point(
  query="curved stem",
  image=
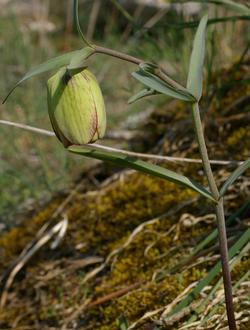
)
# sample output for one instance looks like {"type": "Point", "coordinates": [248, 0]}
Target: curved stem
{"type": "Point", "coordinates": [161, 73]}
{"type": "Point", "coordinates": [102, 50]}
{"type": "Point", "coordinates": [78, 26]}
{"type": "Point", "coordinates": [121, 56]}
{"type": "Point", "coordinates": [219, 210]}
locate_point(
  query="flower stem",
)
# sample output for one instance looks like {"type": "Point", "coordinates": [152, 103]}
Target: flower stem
{"type": "Point", "coordinates": [203, 151]}
{"type": "Point", "coordinates": [161, 73]}
{"type": "Point", "coordinates": [121, 56]}
{"type": "Point", "coordinates": [219, 210]}
{"type": "Point", "coordinates": [225, 265]}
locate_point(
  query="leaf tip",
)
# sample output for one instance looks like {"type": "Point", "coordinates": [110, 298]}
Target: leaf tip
{"type": "Point", "coordinates": [7, 96]}
{"type": "Point", "coordinates": [195, 76]}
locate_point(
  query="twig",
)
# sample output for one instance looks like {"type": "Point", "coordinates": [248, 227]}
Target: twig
{"type": "Point", "coordinates": [28, 128]}
{"type": "Point", "coordinates": [156, 18]}
{"type": "Point", "coordinates": [236, 104]}
{"type": "Point", "coordinates": [114, 295]}
{"type": "Point", "coordinates": [73, 316]}
{"type": "Point", "coordinates": [88, 304]}
{"type": "Point", "coordinates": [121, 151]}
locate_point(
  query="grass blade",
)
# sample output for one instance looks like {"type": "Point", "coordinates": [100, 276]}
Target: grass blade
{"type": "Point", "coordinates": [211, 275]}
{"type": "Point", "coordinates": [141, 166]}
{"type": "Point", "coordinates": [217, 306]}
{"type": "Point", "coordinates": [200, 308]}
{"type": "Point", "coordinates": [214, 233]}
{"type": "Point", "coordinates": [211, 237]}
{"type": "Point", "coordinates": [194, 81]}
{"type": "Point", "coordinates": [234, 176]}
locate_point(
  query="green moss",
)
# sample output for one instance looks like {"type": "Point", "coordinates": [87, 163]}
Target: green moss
{"type": "Point", "coordinates": [13, 241]}
{"type": "Point", "coordinates": [240, 137]}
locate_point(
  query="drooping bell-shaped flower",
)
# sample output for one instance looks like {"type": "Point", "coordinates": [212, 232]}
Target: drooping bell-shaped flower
{"type": "Point", "coordinates": [76, 107]}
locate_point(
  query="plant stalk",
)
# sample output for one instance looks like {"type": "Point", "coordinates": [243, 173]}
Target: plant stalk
{"type": "Point", "coordinates": [161, 73]}
{"type": "Point", "coordinates": [114, 53]}
{"type": "Point", "coordinates": [219, 210]}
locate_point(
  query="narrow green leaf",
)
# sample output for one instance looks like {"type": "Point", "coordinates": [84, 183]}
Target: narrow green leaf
{"type": "Point", "coordinates": [235, 262]}
{"type": "Point", "coordinates": [141, 166]}
{"type": "Point", "coordinates": [211, 275]}
{"type": "Point", "coordinates": [155, 83]}
{"type": "Point", "coordinates": [208, 298]}
{"type": "Point", "coordinates": [155, 72]}
{"type": "Point", "coordinates": [210, 238]}
{"type": "Point", "coordinates": [214, 233]}
{"type": "Point", "coordinates": [194, 81]}
{"type": "Point", "coordinates": [51, 64]}
{"type": "Point", "coordinates": [143, 93]}
{"type": "Point", "coordinates": [72, 71]}
{"type": "Point", "coordinates": [234, 176]}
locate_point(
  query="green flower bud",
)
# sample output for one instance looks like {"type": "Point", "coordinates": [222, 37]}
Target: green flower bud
{"type": "Point", "coordinates": [76, 107]}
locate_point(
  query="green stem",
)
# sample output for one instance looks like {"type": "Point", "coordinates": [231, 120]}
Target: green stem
{"type": "Point", "coordinates": [76, 16]}
{"type": "Point", "coordinates": [219, 210]}
{"type": "Point", "coordinates": [203, 151]}
{"type": "Point", "coordinates": [121, 56]}
{"type": "Point", "coordinates": [161, 73]}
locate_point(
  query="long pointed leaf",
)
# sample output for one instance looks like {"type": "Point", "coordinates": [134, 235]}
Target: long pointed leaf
{"type": "Point", "coordinates": [143, 93]}
{"type": "Point", "coordinates": [158, 85]}
{"type": "Point", "coordinates": [51, 64]}
{"type": "Point", "coordinates": [141, 166]}
{"type": "Point", "coordinates": [194, 81]}
{"type": "Point", "coordinates": [234, 176]}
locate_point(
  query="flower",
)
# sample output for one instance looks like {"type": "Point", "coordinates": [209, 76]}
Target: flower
{"type": "Point", "coordinates": [76, 107]}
